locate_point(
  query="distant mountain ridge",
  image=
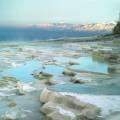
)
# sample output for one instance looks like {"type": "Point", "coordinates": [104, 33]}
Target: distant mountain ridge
{"type": "Point", "coordinates": [53, 31]}
{"type": "Point", "coordinates": [78, 27]}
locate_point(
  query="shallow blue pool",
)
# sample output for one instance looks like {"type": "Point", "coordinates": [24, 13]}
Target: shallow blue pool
{"type": "Point", "coordinates": [87, 89]}
{"type": "Point", "coordinates": [88, 64]}
{"type": "Point", "coordinates": [85, 64]}
{"type": "Point", "coordinates": [24, 72]}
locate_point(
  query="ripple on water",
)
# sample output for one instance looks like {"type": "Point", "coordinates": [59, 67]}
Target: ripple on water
{"type": "Point", "coordinates": [87, 89]}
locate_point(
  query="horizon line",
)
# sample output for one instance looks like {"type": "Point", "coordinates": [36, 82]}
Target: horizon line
{"type": "Point", "coordinates": [49, 23]}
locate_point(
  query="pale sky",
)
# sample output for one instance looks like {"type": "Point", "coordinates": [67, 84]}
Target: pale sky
{"type": "Point", "coordinates": [55, 11]}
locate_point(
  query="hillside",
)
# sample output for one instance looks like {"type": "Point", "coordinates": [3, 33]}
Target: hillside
{"type": "Point", "coordinates": [54, 31]}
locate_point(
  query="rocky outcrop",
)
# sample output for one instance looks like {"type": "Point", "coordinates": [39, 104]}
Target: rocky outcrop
{"type": "Point", "coordinates": [46, 78]}
{"type": "Point", "coordinates": [73, 63]}
{"type": "Point", "coordinates": [57, 106]}
{"type": "Point", "coordinates": [114, 68]}
{"type": "Point", "coordinates": [8, 81]}
{"type": "Point", "coordinates": [69, 72]}
{"type": "Point", "coordinates": [42, 75]}
{"type": "Point", "coordinates": [19, 89]}
{"type": "Point", "coordinates": [78, 80]}
{"type": "Point", "coordinates": [106, 56]}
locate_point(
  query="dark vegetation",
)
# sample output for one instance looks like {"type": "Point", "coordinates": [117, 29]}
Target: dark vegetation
{"type": "Point", "coordinates": [116, 29]}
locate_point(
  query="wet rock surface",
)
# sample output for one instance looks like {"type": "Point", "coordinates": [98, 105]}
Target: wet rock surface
{"type": "Point", "coordinates": [69, 72]}
{"type": "Point", "coordinates": [87, 68]}
{"type": "Point", "coordinates": [57, 106]}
